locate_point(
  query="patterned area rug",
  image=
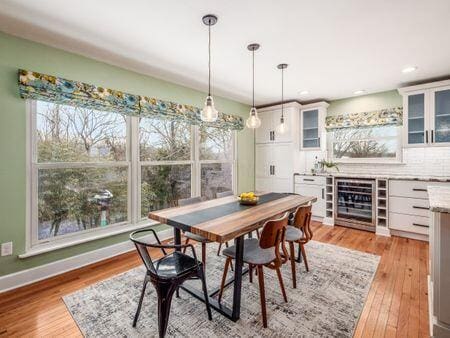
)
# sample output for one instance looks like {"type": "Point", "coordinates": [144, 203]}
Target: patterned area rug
{"type": "Point", "coordinates": [327, 302]}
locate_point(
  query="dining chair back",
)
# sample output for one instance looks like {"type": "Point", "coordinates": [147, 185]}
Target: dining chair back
{"type": "Point", "coordinates": [166, 273]}
{"type": "Point", "coordinates": [302, 221]}
{"type": "Point", "coordinates": [224, 194]}
{"type": "Point", "coordinates": [191, 200]}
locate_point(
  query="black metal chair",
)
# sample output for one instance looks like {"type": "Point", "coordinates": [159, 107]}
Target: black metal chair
{"type": "Point", "coordinates": [189, 235]}
{"type": "Point", "coordinates": [167, 274]}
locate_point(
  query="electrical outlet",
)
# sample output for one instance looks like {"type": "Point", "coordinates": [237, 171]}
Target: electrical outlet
{"type": "Point", "coordinates": [7, 249]}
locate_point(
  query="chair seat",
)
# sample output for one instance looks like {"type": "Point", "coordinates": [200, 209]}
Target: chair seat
{"type": "Point", "coordinates": [293, 234]}
{"type": "Point", "coordinates": [174, 265]}
{"type": "Point", "coordinates": [195, 237]}
{"type": "Point", "coordinates": [253, 253]}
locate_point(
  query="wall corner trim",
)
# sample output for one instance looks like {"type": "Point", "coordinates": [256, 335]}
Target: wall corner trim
{"type": "Point", "coordinates": [32, 275]}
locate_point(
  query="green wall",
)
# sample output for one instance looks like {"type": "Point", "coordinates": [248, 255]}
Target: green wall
{"type": "Point", "coordinates": [19, 53]}
{"type": "Point", "coordinates": [366, 103]}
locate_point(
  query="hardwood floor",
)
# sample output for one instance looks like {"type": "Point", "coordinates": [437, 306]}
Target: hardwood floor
{"type": "Point", "coordinates": [397, 304]}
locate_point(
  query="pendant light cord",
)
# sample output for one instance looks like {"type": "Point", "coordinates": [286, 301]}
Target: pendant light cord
{"type": "Point", "coordinates": [282, 93]}
{"type": "Point", "coordinates": [209, 59]}
{"type": "Point", "coordinates": [253, 62]}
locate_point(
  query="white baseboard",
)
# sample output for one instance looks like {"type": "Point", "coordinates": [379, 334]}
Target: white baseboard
{"type": "Point", "coordinates": [383, 231]}
{"type": "Point", "coordinates": [25, 277]}
{"type": "Point", "coordinates": [411, 235]}
{"type": "Point", "coordinates": [328, 221]}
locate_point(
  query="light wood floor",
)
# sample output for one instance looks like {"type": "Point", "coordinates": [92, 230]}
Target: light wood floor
{"type": "Point", "coordinates": [396, 305]}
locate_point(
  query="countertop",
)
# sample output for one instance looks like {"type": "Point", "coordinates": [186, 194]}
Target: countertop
{"type": "Point", "coordinates": [439, 198]}
{"type": "Point", "coordinates": [382, 176]}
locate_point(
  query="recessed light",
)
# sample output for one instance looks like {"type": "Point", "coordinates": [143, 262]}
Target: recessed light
{"type": "Point", "coordinates": [304, 92]}
{"type": "Point", "coordinates": [409, 69]}
{"type": "Point", "coordinates": [359, 92]}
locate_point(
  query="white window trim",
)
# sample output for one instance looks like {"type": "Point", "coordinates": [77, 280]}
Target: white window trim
{"type": "Point", "coordinates": [398, 159]}
{"type": "Point", "coordinates": [36, 247]}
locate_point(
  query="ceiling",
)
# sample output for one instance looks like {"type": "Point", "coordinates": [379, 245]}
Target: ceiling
{"type": "Point", "coordinates": [333, 47]}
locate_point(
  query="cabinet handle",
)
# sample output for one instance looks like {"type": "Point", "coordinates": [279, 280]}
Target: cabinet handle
{"type": "Point", "coordinates": [273, 136]}
{"type": "Point", "coordinates": [319, 141]}
{"type": "Point", "coordinates": [308, 179]}
{"type": "Point", "coordinates": [270, 170]}
{"type": "Point", "coordinates": [421, 225]}
{"type": "Point", "coordinates": [323, 193]}
{"type": "Point", "coordinates": [419, 189]}
{"type": "Point", "coordinates": [270, 135]}
{"type": "Point", "coordinates": [417, 207]}
{"type": "Point", "coordinates": [432, 136]}
{"type": "Point", "coordinates": [426, 136]}
{"type": "Point", "coordinates": [274, 170]}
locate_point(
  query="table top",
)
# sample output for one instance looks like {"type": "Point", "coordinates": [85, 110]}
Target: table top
{"type": "Point", "coordinates": [224, 219]}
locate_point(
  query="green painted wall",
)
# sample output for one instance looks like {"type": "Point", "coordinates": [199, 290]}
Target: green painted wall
{"type": "Point", "coordinates": [19, 53]}
{"type": "Point", "coordinates": [366, 103]}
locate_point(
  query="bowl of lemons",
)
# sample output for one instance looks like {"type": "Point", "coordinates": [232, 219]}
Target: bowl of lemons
{"type": "Point", "coordinates": [248, 198]}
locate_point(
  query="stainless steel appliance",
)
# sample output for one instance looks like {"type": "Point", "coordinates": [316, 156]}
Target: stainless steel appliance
{"type": "Point", "coordinates": [355, 203]}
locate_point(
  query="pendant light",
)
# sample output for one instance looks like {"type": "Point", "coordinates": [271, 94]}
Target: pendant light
{"type": "Point", "coordinates": [282, 127]}
{"type": "Point", "coordinates": [253, 120]}
{"type": "Point", "coordinates": [209, 112]}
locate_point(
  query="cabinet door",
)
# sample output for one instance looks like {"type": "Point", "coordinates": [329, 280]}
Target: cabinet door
{"type": "Point", "coordinates": [440, 116]}
{"type": "Point", "coordinates": [310, 129]}
{"type": "Point", "coordinates": [263, 184]}
{"type": "Point", "coordinates": [288, 122]}
{"type": "Point", "coordinates": [281, 185]}
{"type": "Point", "coordinates": [262, 134]}
{"type": "Point", "coordinates": [318, 208]}
{"type": "Point", "coordinates": [263, 154]}
{"type": "Point", "coordinates": [282, 161]}
{"type": "Point", "coordinates": [415, 122]}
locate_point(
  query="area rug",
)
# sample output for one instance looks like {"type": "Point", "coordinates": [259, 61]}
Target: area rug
{"type": "Point", "coordinates": [327, 302]}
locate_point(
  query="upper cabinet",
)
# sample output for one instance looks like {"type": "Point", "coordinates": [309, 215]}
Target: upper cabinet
{"type": "Point", "coordinates": [270, 120]}
{"type": "Point", "coordinates": [426, 114]}
{"type": "Point", "coordinates": [312, 126]}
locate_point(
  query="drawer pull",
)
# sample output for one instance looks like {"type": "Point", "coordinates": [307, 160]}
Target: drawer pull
{"type": "Point", "coordinates": [421, 225]}
{"type": "Point", "coordinates": [417, 207]}
{"type": "Point", "coordinates": [419, 189]}
{"type": "Point", "coordinates": [308, 179]}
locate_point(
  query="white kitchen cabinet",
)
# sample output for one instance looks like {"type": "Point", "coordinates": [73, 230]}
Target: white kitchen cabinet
{"type": "Point", "coordinates": [426, 114]}
{"type": "Point", "coordinates": [273, 167]}
{"type": "Point", "coordinates": [307, 185]}
{"type": "Point", "coordinates": [312, 126]}
{"type": "Point", "coordinates": [270, 120]}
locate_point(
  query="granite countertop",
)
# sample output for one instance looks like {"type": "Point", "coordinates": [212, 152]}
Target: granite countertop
{"type": "Point", "coordinates": [382, 176]}
{"type": "Point", "coordinates": [439, 198]}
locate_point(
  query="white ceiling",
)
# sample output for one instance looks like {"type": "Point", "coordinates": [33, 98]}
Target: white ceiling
{"type": "Point", "coordinates": [333, 47]}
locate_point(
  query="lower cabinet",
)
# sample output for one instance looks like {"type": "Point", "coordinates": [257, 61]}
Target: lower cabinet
{"type": "Point", "coordinates": [312, 186]}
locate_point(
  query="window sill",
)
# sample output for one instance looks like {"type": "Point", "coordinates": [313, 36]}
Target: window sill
{"type": "Point", "coordinates": [56, 245]}
{"type": "Point", "coordinates": [377, 162]}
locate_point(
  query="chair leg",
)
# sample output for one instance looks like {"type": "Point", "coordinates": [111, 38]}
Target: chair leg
{"type": "Point", "coordinates": [304, 256]}
{"type": "Point", "coordinates": [205, 293]}
{"type": "Point", "coordinates": [185, 243]}
{"type": "Point", "coordinates": [204, 256]}
{"type": "Point", "coordinates": [224, 278]}
{"type": "Point", "coordinates": [257, 233]}
{"type": "Point", "coordinates": [299, 253]}
{"type": "Point", "coordinates": [292, 259]}
{"type": "Point", "coordinates": [218, 250]}
{"type": "Point", "coordinates": [165, 292]}
{"type": "Point", "coordinates": [138, 311]}
{"type": "Point", "coordinates": [280, 279]}
{"type": "Point", "coordinates": [250, 273]}
{"type": "Point", "coordinates": [262, 294]}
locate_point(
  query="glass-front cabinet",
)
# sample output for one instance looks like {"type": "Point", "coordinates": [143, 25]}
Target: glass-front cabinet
{"type": "Point", "coordinates": [426, 120]}
{"type": "Point", "coordinates": [312, 126]}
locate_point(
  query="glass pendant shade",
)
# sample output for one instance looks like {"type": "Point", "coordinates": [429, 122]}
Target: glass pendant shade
{"type": "Point", "coordinates": [282, 127]}
{"type": "Point", "coordinates": [209, 112]}
{"type": "Point", "coordinates": [253, 120]}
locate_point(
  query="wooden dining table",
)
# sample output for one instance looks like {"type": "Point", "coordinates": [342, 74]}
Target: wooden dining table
{"type": "Point", "coordinates": [224, 219]}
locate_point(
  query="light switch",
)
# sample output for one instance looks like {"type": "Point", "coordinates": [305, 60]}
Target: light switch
{"type": "Point", "coordinates": [7, 249]}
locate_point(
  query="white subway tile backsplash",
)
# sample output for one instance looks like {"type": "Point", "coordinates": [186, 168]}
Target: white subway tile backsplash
{"type": "Point", "coordinates": [430, 161]}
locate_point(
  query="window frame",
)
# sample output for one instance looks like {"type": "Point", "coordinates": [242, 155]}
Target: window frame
{"type": "Point", "coordinates": [134, 167]}
{"type": "Point", "coordinates": [369, 160]}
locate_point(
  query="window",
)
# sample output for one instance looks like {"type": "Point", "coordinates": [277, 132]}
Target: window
{"type": "Point", "coordinates": [366, 144]}
{"type": "Point", "coordinates": [94, 171]}
{"type": "Point", "coordinates": [216, 161]}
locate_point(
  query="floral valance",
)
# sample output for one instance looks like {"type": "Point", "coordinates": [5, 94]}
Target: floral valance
{"type": "Point", "coordinates": [390, 116]}
{"type": "Point", "coordinates": [33, 85]}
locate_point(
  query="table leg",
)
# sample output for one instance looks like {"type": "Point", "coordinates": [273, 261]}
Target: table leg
{"type": "Point", "coordinates": [177, 237]}
{"type": "Point", "coordinates": [239, 243]}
